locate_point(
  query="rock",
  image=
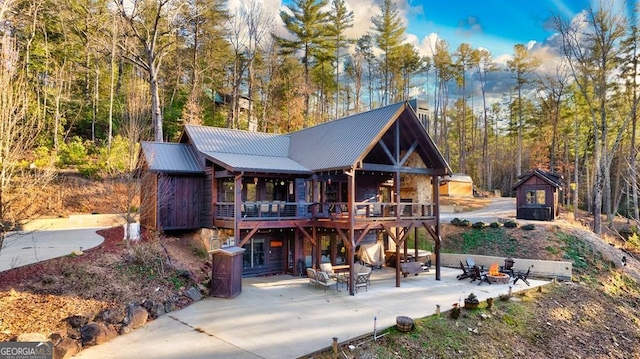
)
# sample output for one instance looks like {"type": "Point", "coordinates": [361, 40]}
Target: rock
{"type": "Point", "coordinates": [66, 348]}
{"type": "Point", "coordinates": [194, 294]}
{"type": "Point", "coordinates": [125, 329]}
{"type": "Point", "coordinates": [56, 338]}
{"type": "Point", "coordinates": [113, 315]}
{"type": "Point", "coordinates": [77, 321]}
{"type": "Point", "coordinates": [96, 333]}
{"type": "Point", "coordinates": [74, 334]}
{"type": "Point", "coordinates": [169, 305]}
{"type": "Point", "coordinates": [31, 337]}
{"type": "Point", "coordinates": [136, 316]}
{"type": "Point", "coordinates": [154, 308]}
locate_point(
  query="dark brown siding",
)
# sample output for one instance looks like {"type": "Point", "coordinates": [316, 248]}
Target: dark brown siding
{"type": "Point", "coordinates": [180, 202]}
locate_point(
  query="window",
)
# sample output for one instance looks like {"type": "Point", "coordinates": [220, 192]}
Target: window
{"type": "Point", "coordinates": [536, 197]}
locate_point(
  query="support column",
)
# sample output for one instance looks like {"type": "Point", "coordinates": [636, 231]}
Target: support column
{"type": "Point", "coordinates": [436, 213]}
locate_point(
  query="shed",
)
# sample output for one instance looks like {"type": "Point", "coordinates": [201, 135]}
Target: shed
{"type": "Point", "coordinates": [226, 271]}
{"type": "Point", "coordinates": [171, 187]}
{"type": "Point", "coordinates": [537, 195]}
{"type": "Point", "coordinates": [456, 185]}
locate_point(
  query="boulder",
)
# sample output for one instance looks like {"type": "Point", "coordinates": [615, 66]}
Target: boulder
{"type": "Point", "coordinates": [154, 308]}
{"type": "Point", "coordinates": [113, 315]}
{"type": "Point", "coordinates": [194, 294]}
{"type": "Point", "coordinates": [169, 305]}
{"type": "Point", "coordinates": [66, 348]}
{"type": "Point", "coordinates": [96, 333]}
{"type": "Point", "coordinates": [78, 321]}
{"type": "Point", "coordinates": [74, 334]}
{"type": "Point", "coordinates": [136, 316]}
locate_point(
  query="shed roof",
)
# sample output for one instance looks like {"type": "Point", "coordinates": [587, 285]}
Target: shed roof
{"type": "Point", "coordinates": [171, 157]}
{"type": "Point", "coordinates": [551, 178]}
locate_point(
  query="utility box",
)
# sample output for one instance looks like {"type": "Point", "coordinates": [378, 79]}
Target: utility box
{"type": "Point", "coordinates": [226, 275]}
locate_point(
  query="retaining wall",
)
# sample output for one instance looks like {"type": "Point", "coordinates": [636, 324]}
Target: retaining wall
{"type": "Point", "coordinates": [542, 268]}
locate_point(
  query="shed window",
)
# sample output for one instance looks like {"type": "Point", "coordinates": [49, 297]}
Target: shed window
{"type": "Point", "coordinates": [536, 197]}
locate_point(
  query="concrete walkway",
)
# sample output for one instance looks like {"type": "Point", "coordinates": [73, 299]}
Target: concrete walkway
{"type": "Point", "coordinates": [285, 317]}
{"type": "Point", "coordinates": [22, 248]}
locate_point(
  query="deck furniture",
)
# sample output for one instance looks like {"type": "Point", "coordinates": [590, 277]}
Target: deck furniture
{"type": "Point", "coordinates": [325, 281]}
{"type": "Point", "coordinates": [523, 277]}
{"type": "Point", "coordinates": [311, 274]}
{"type": "Point", "coordinates": [411, 268]}
{"type": "Point", "coordinates": [507, 268]}
{"type": "Point", "coordinates": [362, 280]}
{"type": "Point", "coordinates": [466, 272]}
{"type": "Point", "coordinates": [328, 268]}
{"type": "Point", "coordinates": [479, 275]}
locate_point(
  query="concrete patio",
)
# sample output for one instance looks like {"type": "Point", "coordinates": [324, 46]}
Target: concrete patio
{"type": "Point", "coordinates": [284, 317]}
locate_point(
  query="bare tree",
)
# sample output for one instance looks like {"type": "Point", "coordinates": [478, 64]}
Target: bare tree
{"type": "Point", "coordinates": [19, 129]}
{"type": "Point", "coordinates": [151, 23]}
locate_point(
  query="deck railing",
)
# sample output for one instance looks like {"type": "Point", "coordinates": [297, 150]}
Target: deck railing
{"type": "Point", "coordinates": [278, 210]}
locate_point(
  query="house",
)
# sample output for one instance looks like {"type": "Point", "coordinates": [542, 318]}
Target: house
{"type": "Point", "coordinates": [300, 199]}
{"type": "Point", "coordinates": [537, 195]}
{"type": "Point", "coordinates": [456, 185]}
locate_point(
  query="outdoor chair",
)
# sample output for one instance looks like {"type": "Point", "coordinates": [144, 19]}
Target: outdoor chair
{"type": "Point", "coordinates": [523, 277]}
{"type": "Point", "coordinates": [311, 274]}
{"type": "Point", "coordinates": [471, 263]}
{"type": "Point", "coordinates": [466, 272]}
{"type": "Point", "coordinates": [362, 269]}
{"type": "Point", "coordinates": [479, 275]}
{"type": "Point", "coordinates": [507, 268]}
{"type": "Point", "coordinates": [362, 280]}
{"type": "Point", "coordinates": [326, 281]}
{"type": "Point", "coordinates": [328, 268]}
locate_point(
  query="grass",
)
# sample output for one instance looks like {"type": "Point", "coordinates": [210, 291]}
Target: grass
{"type": "Point", "coordinates": [488, 241]}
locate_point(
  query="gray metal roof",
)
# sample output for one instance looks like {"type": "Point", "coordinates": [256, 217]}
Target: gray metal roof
{"type": "Point", "coordinates": [171, 157]}
{"type": "Point", "coordinates": [252, 163]}
{"type": "Point", "coordinates": [341, 143]}
{"type": "Point", "coordinates": [224, 140]}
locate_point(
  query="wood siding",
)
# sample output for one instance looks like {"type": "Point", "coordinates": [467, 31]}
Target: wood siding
{"type": "Point", "coordinates": [179, 202]}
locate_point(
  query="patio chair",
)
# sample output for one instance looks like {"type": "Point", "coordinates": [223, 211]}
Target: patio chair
{"type": "Point", "coordinates": [507, 268]}
{"type": "Point", "coordinates": [466, 272]}
{"type": "Point", "coordinates": [362, 280]}
{"type": "Point", "coordinates": [328, 268]}
{"type": "Point", "coordinates": [311, 274]}
{"type": "Point", "coordinates": [363, 269]}
{"type": "Point", "coordinates": [479, 275]}
{"type": "Point", "coordinates": [471, 263]}
{"type": "Point", "coordinates": [325, 281]}
{"type": "Point", "coordinates": [523, 277]}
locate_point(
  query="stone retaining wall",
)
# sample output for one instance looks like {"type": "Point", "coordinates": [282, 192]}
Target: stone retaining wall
{"type": "Point", "coordinates": [557, 269]}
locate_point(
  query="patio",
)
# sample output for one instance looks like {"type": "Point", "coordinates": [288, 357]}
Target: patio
{"type": "Point", "coordinates": [285, 317]}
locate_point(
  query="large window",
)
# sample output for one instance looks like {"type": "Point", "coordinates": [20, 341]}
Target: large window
{"type": "Point", "coordinates": [536, 197]}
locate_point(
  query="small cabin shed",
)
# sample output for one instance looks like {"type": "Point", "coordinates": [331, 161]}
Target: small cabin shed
{"type": "Point", "coordinates": [457, 185]}
{"type": "Point", "coordinates": [537, 195]}
{"type": "Point", "coordinates": [171, 187]}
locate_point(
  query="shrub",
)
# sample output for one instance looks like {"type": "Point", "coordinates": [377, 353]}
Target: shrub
{"type": "Point", "coordinates": [528, 227]}
{"type": "Point", "coordinates": [495, 225]}
{"type": "Point", "coordinates": [74, 152]}
{"type": "Point", "coordinates": [479, 225]}
{"type": "Point", "coordinates": [511, 224]}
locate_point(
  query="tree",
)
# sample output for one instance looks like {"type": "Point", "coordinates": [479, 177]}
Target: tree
{"type": "Point", "coordinates": [340, 19]}
{"type": "Point", "coordinates": [353, 69]}
{"type": "Point", "coordinates": [522, 65]}
{"type": "Point", "coordinates": [364, 47]}
{"type": "Point", "coordinates": [464, 61]}
{"type": "Point", "coordinates": [306, 22]}
{"type": "Point", "coordinates": [589, 45]}
{"type": "Point", "coordinates": [485, 65]}
{"type": "Point", "coordinates": [19, 130]}
{"type": "Point", "coordinates": [389, 29]}
{"type": "Point", "coordinates": [149, 22]}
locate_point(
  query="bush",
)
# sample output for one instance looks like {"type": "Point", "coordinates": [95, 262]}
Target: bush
{"type": "Point", "coordinates": [479, 225]}
{"type": "Point", "coordinates": [495, 225]}
{"type": "Point", "coordinates": [74, 152]}
{"type": "Point", "coordinates": [528, 227]}
{"type": "Point", "coordinates": [511, 224]}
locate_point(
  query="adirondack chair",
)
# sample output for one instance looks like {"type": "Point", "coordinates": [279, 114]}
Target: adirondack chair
{"type": "Point", "coordinates": [479, 275]}
{"type": "Point", "coordinates": [466, 273]}
{"type": "Point", "coordinates": [507, 268]}
{"type": "Point", "coordinates": [523, 277]}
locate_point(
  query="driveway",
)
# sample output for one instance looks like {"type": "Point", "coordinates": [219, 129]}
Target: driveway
{"type": "Point", "coordinates": [22, 248]}
{"type": "Point", "coordinates": [284, 317]}
{"type": "Point", "coordinates": [500, 209]}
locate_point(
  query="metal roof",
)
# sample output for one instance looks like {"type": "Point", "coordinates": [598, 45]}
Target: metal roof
{"type": "Point", "coordinates": [252, 163]}
{"type": "Point", "coordinates": [224, 140]}
{"type": "Point", "coordinates": [171, 157]}
{"type": "Point", "coordinates": [341, 143]}
{"type": "Point", "coordinates": [551, 178]}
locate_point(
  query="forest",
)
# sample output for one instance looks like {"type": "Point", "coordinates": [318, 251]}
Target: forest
{"type": "Point", "coordinates": [84, 81]}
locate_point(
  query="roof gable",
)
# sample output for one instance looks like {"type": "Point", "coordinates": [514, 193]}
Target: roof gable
{"type": "Point", "coordinates": [551, 178]}
{"type": "Point", "coordinates": [170, 157]}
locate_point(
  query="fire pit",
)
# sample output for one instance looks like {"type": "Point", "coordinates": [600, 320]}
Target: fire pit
{"type": "Point", "coordinates": [494, 275]}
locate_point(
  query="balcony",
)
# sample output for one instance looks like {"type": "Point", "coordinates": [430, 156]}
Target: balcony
{"type": "Point", "coordinates": [365, 211]}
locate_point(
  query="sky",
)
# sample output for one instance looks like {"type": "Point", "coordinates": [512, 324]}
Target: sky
{"type": "Point", "coordinates": [495, 25]}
